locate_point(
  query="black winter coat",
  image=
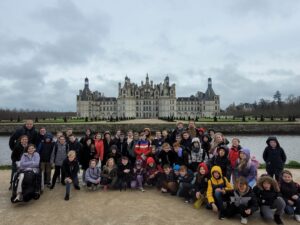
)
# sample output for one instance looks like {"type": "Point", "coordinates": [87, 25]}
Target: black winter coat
{"type": "Point", "coordinates": [71, 169]}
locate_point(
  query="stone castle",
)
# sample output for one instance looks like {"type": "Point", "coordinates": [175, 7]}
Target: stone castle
{"type": "Point", "coordinates": [147, 100]}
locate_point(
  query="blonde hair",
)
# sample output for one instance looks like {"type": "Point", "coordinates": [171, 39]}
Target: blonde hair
{"type": "Point", "coordinates": [166, 145]}
{"type": "Point", "coordinates": [72, 153]}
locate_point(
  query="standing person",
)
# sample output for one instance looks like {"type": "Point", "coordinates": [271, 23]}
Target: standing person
{"type": "Point", "coordinates": [192, 130]}
{"type": "Point", "coordinates": [88, 134]}
{"type": "Point", "coordinates": [205, 145]}
{"type": "Point", "coordinates": [108, 142]}
{"type": "Point", "coordinates": [99, 145]}
{"type": "Point", "coordinates": [143, 148]}
{"type": "Point", "coordinates": [177, 131]}
{"type": "Point", "coordinates": [158, 141]}
{"type": "Point", "coordinates": [196, 155]}
{"type": "Point", "coordinates": [242, 201]}
{"type": "Point", "coordinates": [275, 157]}
{"type": "Point", "coordinates": [58, 155]}
{"type": "Point", "coordinates": [130, 147]}
{"type": "Point", "coordinates": [85, 155]}
{"type": "Point", "coordinates": [218, 140]}
{"type": "Point", "coordinates": [28, 129]}
{"type": "Point", "coordinates": [147, 132]}
{"type": "Point", "coordinates": [290, 191]}
{"type": "Point", "coordinates": [234, 152]}
{"type": "Point", "coordinates": [269, 198]}
{"type": "Point", "coordinates": [186, 142]}
{"type": "Point", "coordinates": [16, 155]}
{"type": "Point", "coordinates": [122, 144]}
{"type": "Point", "coordinates": [74, 144]}
{"type": "Point", "coordinates": [166, 137]}
{"type": "Point", "coordinates": [45, 150]}
{"type": "Point", "coordinates": [69, 132]}
{"type": "Point", "coordinates": [70, 167]}
{"type": "Point", "coordinates": [41, 136]}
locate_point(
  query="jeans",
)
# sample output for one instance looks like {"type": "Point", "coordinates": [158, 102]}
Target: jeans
{"type": "Point", "coordinates": [68, 184]}
{"type": "Point", "coordinates": [293, 209]}
{"type": "Point", "coordinates": [278, 204]}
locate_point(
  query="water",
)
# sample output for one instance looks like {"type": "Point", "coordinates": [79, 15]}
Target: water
{"type": "Point", "coordinates": [256, 143]}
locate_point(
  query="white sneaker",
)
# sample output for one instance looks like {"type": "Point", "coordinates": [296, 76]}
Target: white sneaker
{"type": "Point", "coordinates": [142, 189]}
{"type": "Point", "coordinates": [297, 217]}
{"type": "Point", "coordinates": [244, 220]}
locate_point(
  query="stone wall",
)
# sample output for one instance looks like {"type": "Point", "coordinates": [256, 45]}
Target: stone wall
{"type": "Point", "coordinates": [284, 128]}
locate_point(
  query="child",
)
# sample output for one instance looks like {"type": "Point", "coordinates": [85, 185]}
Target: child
{"type": "Point", "coordinates": [268, 195]}
{"type": "Point", "coordinates": [205, 145]}
{"type": "Point", "coordinates": [152, 172]}
{"type": "Point", "coordinates": [184, 183]}
{"type": "Point", "coordinates": [242, 201]}
{"type": "Point", "coordinates": [115, 153]}
{"type": "Point", "coordinates": [181, 155]}
{"type": "Point", "coordinates": [124, 173]}
{"type": "Point", "coordinates": [196, 155]}
{"type": "Point", "coordinates": [109, 174]}
{"type": "Point", "coordinates": [221, 160]}
{"type": "Point", "coordinates": [30, 161]}
{"type": "Point", "coordinates": [234, 152]}
{"type": "Point", "coordinates": [58, 155]}
{"type": "Point", "coordinates": [218, 141]}
{"type": "Point", "coordinates": [45, 150]}
{"type": "Point", "coordinates": [275, 157]}
{"type": "Point", "coordinates": [217, 191]}
{"type": "Point", "coordinates": [290, 192]}
{"type": "Point", "coordinates": [245, 168]}
{"type": "Point", "coordinates": [93, 175]}
{"type": "Point", "coordinates": [167, 181]}
{"type": "Point", "coordinates": [138, 175]}
{"type": "Point", "coordinates": [71, 168]}
{"type": "Point", "coordinates": [86, 153]}
{"type": "Point", "coordinates": [167, 155]}
{"type": "Point", "coordinates": [99, 146]}
{"type": "Point", "coordinates": [198, 192]}
{"type": "Point", "coordinates": [143, 148]}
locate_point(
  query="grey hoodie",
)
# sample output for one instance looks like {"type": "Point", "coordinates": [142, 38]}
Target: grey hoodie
{"type": "Point", "coordinates": [59, 153]}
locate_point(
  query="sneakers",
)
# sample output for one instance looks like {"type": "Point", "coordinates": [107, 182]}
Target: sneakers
{"type": "Point", "coordinates": [221, 216]}
{"type": "Point", "coordinates": [142, 189]}
{"type": "Point", "coordinates": [277, 219]}
{"type": "Point", "coordinates": [18, 198]}
{"type": "Point", "coordinates": [244, 220]}
{"type": "Point", "coordinates": [67, 197]}
{"type": "Point", "coordinates": [297, 217]}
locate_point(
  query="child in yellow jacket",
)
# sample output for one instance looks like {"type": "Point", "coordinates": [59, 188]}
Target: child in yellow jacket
{"type": "Point", "coordinates": [217, 191]}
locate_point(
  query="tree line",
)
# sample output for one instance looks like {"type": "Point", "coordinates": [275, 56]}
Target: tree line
{"type": "Point", "coordinates": [290, 107]}
{"type": "Point", "coordinates": [19, 115]}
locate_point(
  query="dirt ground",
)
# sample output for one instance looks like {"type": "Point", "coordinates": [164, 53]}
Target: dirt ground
{"type": "Point", "coordinates": [109, 208]}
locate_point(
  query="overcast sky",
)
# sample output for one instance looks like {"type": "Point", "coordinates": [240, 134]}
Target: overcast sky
{"type": "Point", "coordinates": [250, 49]}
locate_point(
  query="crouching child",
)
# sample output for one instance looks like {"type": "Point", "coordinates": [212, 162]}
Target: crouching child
{"type": "Point", "coordinates": [168, 181]}
{"type": "Point", "coordinates": [93, 175]}
{"type": "Point", "coordinates": [138, 175]}
{"type": "Point", "coordinates": [218, 191]}
{"type": "Point", "coordinates": [243, 201]}
{"type": "Point", "coordinates": [71, 168]}
{"type": "Point", "coordinates": [152, 172]}
{"type": "Point", "coordinates": [269, 198]}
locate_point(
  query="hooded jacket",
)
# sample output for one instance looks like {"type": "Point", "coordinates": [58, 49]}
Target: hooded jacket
{"type": "Point", "coordinates": [214, 183]}
{"type": "Point", "coordinates": [92, 174]}
{"type": "Point", "coordinates": [30, 162]}
{"type": "Point", "coordinates": [249, 172]}
{"type": "Point", "coordinates": [266, 197]}
{"type": "Point", "coordinates": [201, 181]}
{"type": "Point", "coordinates": [274, 158]}
{"type": "Point", "coordinates": [222, 162]}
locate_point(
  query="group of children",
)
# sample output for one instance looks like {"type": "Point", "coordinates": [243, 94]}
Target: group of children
{"type": "Point", "coordinates": [189, 163]}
